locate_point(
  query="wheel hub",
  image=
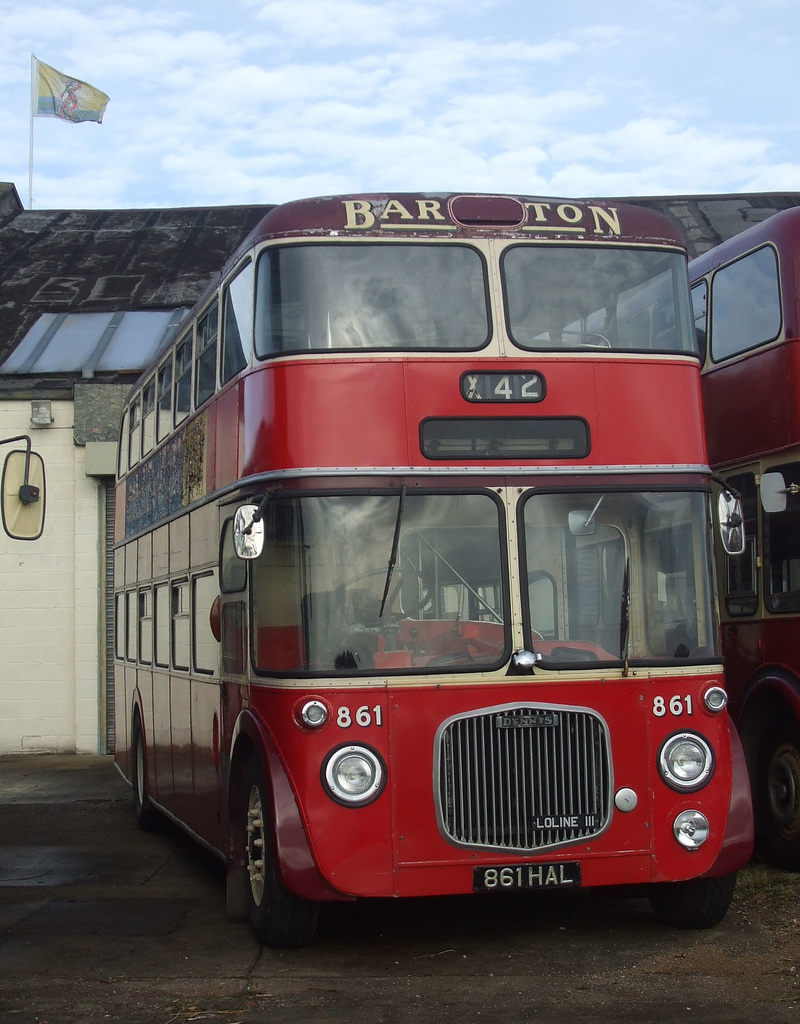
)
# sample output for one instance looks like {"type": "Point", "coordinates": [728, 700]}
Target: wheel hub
{"type": "Point", "coordinates": [784, 789]}
{"type": "Point", "coordinates": [255, 846]}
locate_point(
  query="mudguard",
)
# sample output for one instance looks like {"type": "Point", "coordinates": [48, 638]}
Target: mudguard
{"type": "Point", "coordinates": [293, 855]}
{"type": "Point", "coordinates": [737, 847]}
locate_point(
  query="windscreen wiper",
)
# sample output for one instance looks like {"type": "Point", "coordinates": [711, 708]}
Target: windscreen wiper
{"type": "Point", "coordinates": [625, 616]}
{"type": "Point", "coordinates": [395, 545]}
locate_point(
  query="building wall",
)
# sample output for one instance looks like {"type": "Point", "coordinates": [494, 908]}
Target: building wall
{"type": "Point", "coordinates": [52, 692]}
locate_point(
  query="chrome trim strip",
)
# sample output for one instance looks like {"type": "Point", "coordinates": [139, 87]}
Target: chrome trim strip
{"type": "Point", "coordinates": [474, 470]}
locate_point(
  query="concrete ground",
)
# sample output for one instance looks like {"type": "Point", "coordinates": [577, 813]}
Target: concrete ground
{"type": "Point", "coordinates": [55, 778]}
{"type": "Point", "coordinates": [100, 921]}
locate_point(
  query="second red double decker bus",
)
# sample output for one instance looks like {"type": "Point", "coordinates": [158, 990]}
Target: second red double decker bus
{"type": "Point", "coordinates": [413, 565]}
{"type": "Point", "coordinates": [745, 293]}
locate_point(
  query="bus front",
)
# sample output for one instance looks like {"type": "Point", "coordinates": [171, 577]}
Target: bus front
{"type": "Point", "coordinates": [482, 622]}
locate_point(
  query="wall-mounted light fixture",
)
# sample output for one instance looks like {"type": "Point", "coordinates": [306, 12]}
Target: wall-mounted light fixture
{"type": "Point", "coordinates": [41, 413]}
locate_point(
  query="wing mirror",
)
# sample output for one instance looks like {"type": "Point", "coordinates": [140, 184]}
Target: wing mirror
{"type": "Point", "coordinates": [731, 523]}
{"type": "Point", "coordinates": [248, 532]}
{"type": "Point", "coordinates": [773, 491]}
{"type": "Point", "coordinates": [22, 489]}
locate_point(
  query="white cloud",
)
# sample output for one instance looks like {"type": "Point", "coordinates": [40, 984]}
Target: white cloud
{"type": "Point", "coordinates": [354, 23]}
{"type": "Point", "coordinates": [259, 101]}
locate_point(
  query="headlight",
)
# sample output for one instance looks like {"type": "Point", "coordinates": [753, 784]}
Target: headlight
{"type": "Point", "coordinates": [354, 775]}
{"type": "Point", "coordinates": [686, 762]}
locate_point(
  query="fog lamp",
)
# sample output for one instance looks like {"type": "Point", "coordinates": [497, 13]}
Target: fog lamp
{"type": "Point", "coordinates": [691, 829]}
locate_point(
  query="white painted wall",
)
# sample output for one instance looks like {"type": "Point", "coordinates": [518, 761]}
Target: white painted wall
{"type": "Point", "coordinates": [51, 616]}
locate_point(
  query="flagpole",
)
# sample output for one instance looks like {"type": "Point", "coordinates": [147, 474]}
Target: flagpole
{"type": "Point", "coordinates": [30, 148]}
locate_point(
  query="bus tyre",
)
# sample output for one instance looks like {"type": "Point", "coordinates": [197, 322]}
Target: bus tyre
{"type": "Point", "coordinates": [278, 917]}
{"type": "Point", "coordinates": [698, 903]}
{"type": "Point", "coordinates": [778, 795]}
{"type": "Point", "coordinates": [144, 810]}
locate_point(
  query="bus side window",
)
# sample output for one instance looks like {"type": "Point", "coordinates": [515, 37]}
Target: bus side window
{"type": "Point", "coordinates": [741, 579]}
{"type": "Point", "coordinates": [122, 455]}
{"type": "Point", "coordinates": [745, 304]}
{"type": "Point", "coordinates": [180, 624]}
{"type": "Point", "coordinates": [206, 379]}
{"type": "Point", "coordinates": [782, 549]}
{"type": "Point", "coordinates": [237, 328]}
{"type": "Point", "coordinates": [183, 379]}
{"type": "Point", "coordinates": [234, 637]}
{"type": "Point", "coordinates": [131, 631]}
{"type": "Point", "coordinates": [164, 398]}
{"type": "Point", "coordinates": [700, 316]}
{"type": "Point", "coordinates": [120, 645]}
{"type": "Point", "coordinates": [232, 569]}
{"type": "Point", "coordinates": [148, 416]}
{"type": "Point", "coordinates": [162, 625]}
{"type": "Point", "coordinates": [145, 626]}
{"type": "Point", "coordinates": [205, 645]}
{"type": "Point", "coordinates": [232, 580]}
{"type": "Point", "coordinates": [135, 435]}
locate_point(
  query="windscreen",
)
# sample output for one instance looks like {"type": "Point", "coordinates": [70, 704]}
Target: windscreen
{"type": "Point", "coordinates": [313, 298]}
{"type": "Point", "coordinates": [389, 582]}
{"type": "Point", "coordinates": [618, 577]}
{"type": "Point", "coordinates": [597, 297]}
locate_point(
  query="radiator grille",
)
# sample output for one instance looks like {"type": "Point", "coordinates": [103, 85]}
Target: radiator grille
{"type": "Point", "coordinates": [523, 778]}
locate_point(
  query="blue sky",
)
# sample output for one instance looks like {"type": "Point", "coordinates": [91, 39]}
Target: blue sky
{"type": "Point", "coordinates": [262, 101]}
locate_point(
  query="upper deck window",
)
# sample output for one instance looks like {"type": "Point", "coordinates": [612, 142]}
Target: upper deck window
{"type": "Point", "coordinates": [183, 379]}
{"type": "Point", "coordinates": [237, 336]}
{"type": "Point", "coordinates": [597, 297]}
{"type": "Point", "coordinates": [745, 304]}
{"type": "Point", "coordinates": [312, 298]}
{"type": "Point", "coordinates": [206, 376]}
{"type": "Point", "coordinates": [148, 416]}
{"type": "Point", "coordinates": [164, 416]}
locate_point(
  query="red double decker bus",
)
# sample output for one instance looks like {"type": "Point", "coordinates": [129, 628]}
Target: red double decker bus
{"type": "Point", "coordinates": [745, 294]}
{"type": "Point", "coordinates": [414, 577]}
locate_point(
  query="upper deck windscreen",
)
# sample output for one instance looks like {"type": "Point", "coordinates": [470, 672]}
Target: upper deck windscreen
{"type": "Point", "coordinates": [340, 296]}
{"type": "Point", "coordinates": [576, 297]}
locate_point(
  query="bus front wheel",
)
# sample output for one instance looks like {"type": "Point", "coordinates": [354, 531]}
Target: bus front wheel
{"type": "Point", "coordinates": [278, 917]}
{"type": "Point", "coordinates": [697, 903]}
{"type": "Point", "coordinates": [778, 795]}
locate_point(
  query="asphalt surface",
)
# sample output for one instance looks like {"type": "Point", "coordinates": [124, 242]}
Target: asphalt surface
{"type": "Point", "coordinates": [100, 921]}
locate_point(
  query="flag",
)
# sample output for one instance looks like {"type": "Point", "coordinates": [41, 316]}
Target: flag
{"type": "Point", "coordinates": [58, 95]}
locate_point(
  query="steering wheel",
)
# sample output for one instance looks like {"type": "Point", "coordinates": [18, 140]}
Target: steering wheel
{"type": "Point", "coordinates": [366, 601]}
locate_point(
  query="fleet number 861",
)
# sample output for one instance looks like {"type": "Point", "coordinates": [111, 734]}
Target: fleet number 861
{"type": "Point", "coordinates": [676, 706]}
{"type": "Point", "coordinates": [363, 716]}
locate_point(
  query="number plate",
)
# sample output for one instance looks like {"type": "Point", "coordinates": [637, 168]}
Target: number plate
{"type": "Point", "coordinates": [562, 875]}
